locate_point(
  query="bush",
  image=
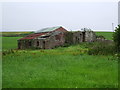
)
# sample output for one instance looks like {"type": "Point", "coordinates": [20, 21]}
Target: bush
{"type": "Point", "coordinates": [102, 48]}
{"type": "Point", "coordinates": [116, 38]}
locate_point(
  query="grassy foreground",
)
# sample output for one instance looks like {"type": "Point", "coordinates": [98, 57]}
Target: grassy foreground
{"type": "Point", "coordinates": [58, 69]}
{"type": "Point", "coordinates": [63, 67]}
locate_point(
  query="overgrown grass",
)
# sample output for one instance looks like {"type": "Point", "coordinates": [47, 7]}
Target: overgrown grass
{"type": "Point", "coordinates": [107, 35]}
{"type": "Point", "coordinates": [58, 69]}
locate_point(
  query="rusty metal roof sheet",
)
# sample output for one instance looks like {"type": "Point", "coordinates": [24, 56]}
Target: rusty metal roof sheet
{"type": "Point", "coordinates": [32, 36]}
{"type": "Point", "coordinates": [44, 31]}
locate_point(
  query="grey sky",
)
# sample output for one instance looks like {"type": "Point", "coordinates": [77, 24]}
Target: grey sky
{"type": "Point", "coordinates": [119, 12]}
{"type": "Point", "coordinates": [73, 16]}
{"type": "Point", "coordinates": [0, 16]}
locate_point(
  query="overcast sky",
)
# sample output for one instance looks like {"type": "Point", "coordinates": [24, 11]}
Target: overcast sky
{"type": "Point", "coordinates": [71, 15]}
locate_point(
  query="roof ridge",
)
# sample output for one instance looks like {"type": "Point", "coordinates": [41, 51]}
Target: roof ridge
{"type": "Point", "coordinates": [48, 29]}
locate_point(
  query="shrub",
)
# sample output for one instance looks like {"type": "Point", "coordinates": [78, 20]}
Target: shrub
{"type": "Point", "coordinates": [102, 48]}
{"type": "Point", "coordinates": [116, 38]}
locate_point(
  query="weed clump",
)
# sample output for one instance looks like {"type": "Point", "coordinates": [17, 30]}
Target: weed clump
{"type": "Point", "coordinates": [8, 52]}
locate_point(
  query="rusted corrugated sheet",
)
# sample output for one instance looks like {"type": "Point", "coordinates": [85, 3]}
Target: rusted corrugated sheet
{"type": "Point", "coordinates": [32, 36]}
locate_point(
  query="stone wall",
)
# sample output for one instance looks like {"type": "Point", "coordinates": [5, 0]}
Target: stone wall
{"type": "Point", "coordinates": [54, 41]}
{"type": "Point", "coordinates": [77, 37]}
{"type": "Point", "coordinates": [23, 44]}
{"type": "Point", "coordinates": [90, 36]}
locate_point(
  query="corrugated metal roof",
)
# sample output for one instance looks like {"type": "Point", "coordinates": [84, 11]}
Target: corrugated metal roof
{"type": "Point", "coordinates": [32, 36]}
{"type": "Point", "coordinates": [49, 29]}
{"type": "Point", "coordinates": [44, 31]}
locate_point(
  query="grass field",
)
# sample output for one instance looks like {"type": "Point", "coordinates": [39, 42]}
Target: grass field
{"type": "Point", "coordinates": [56, 69]}
{"type": "Point", "coordinates": [9, 42]}
{"type": "Point", "coordinates": [63, 67]}
{"type": "Point", "coordinates": [107, 35]}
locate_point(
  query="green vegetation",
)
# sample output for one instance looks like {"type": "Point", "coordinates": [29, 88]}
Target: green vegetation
{"type": "Point", "coordinates": [59, 68]}
{"type": "Point", "coordinates": [102, 48]}
{"type": "Point", "coordinates": [62, 67]}
{"type": "Point", "coordinates": [116, 37]}
{"type": "Point", "coordinates": [106, 47]}
{"type": "Point", "coordinates": [9, 42]}
{"type": "Point", "coordinates": [107, 35]}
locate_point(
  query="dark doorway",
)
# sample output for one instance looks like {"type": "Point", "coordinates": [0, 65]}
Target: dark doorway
{"type": "Point", "coordinates": [37, 43]}
{"type": "Point", "coordinates": [30, 44]}
{"type": "Point", "coordinates": [19, 45]}
{"type": "Point", "coordinates": [83, 36]}
{"type": "Point", "coordinates": [77, 40]}
{"type": "Point", "coordinates": [43, 44]}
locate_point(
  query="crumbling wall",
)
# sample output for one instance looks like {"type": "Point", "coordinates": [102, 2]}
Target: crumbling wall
{"type": "Point", "coordinates": [38, 43]}
{"type": "Point", "coordinates": [69, 38]}
{"type": "Point", "coordinates": [77, 37]}
{"type": "Point", "coordinates": [73, 37]}
{"type": "Point", "coordinates": [54, 41]}
{"type": "Point", "coordinates": [25, 44]}
{"type": "Point", "coordinates": [90, 36]}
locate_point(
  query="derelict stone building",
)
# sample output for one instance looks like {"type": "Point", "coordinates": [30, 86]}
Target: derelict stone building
{"type": "Point", "coordinates": [46, 38]}
{"type": "Point", "coordinates": [52, 37]}
{"type": "Point", "coordinates": [80, 36]}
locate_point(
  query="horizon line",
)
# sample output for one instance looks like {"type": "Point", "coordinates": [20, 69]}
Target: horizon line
{"type": "Point", "coordinates": [36, 30]}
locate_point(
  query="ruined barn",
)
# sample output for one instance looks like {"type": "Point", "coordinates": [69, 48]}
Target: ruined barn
{"type": "Point", "coordinates": [48, 38]}
{"type": "Point", "coordinates": [45, 38]}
